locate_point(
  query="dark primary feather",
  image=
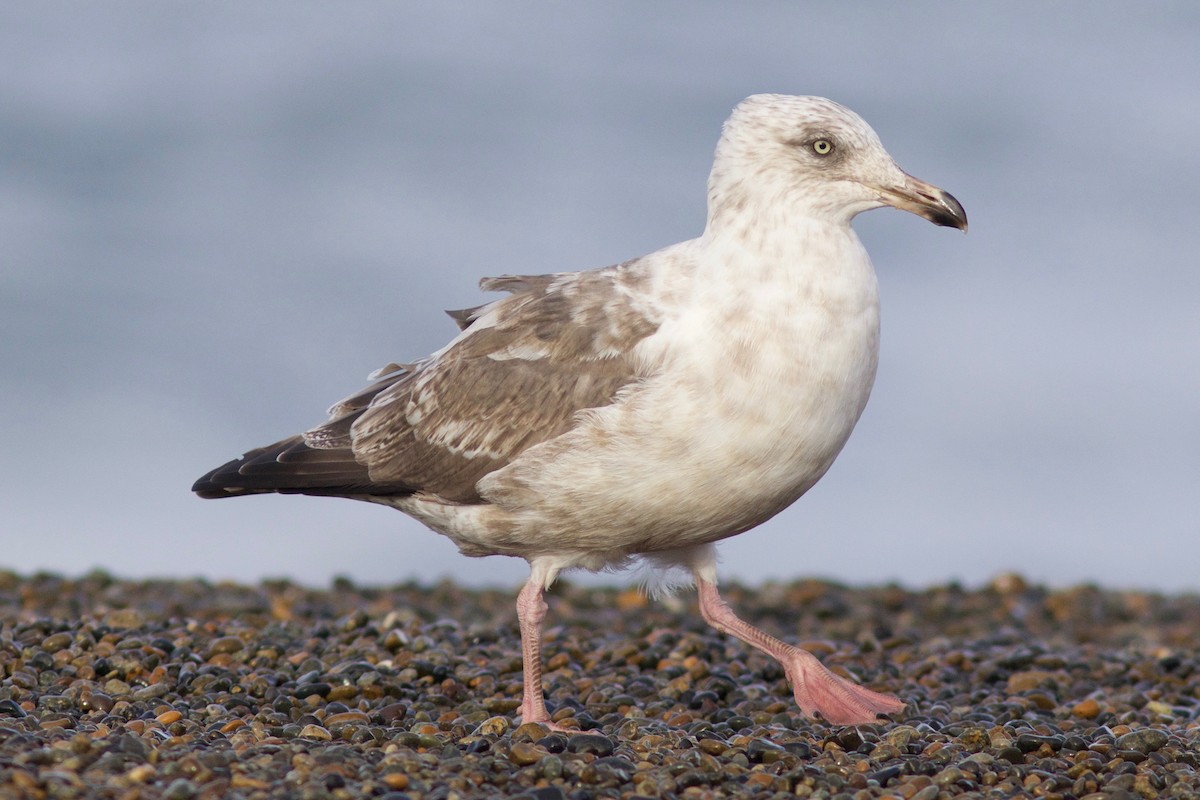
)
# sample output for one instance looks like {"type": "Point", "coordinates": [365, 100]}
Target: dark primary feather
{"type": "Point", "coordinates": [292, 467]}
{"type": "Point", "coordinates": [559, 344]}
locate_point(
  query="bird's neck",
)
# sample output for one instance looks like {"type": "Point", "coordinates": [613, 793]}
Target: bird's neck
{"type": "Point", "coordinates": [763, 204]}
{"type": "Point", "coordinates": [785, 247]}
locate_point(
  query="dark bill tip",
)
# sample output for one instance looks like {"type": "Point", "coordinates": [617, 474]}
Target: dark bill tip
{"type": "Point", "coordinates": [926, 201]}
{"type": "Point", "coordinates": [945, 210]}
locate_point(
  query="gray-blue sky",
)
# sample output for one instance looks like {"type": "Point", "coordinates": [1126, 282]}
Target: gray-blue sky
{"type": "Point", "coordinates": [216, 219]}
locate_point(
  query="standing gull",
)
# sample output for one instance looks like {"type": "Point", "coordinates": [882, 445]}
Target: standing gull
{"type": "Point", "coordinates": [647, 409]}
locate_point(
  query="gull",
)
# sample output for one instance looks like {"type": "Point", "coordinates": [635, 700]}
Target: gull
{"type": "Point", "coordinates": [643, 411]}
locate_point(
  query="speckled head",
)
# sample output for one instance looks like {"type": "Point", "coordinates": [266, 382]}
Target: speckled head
{"type": "Point", "coordinates": [812, 157]}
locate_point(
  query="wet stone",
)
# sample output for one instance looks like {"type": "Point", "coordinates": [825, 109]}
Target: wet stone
{"type": "Point", "coordinates": [554, 742]}
{"type": "Point", "coordinates": [799, 749]}
{"type": "Point", "coordinates": [928, 793]}
{"type": "Point", "coordinates": [95, 701]}
{"type": "Point", "coordinates": [530, 732]}
{"type": "Point", "coordinates": [50, 702]}
{"type": "Point", "coordinates": [225, 644]}
{"type": "Point", "coordinates": [345, 718]}
{"type": "Point", "coordinates": [900, 736]}
{"type": "Point", "coordinates": [524, 754]}
{"type": "Point", "coordinates": [949, 776]}
{"type": "Point", "coordinates": [429, 741]}
{"type": "Point", "coordinates": [615, 766]}
{"type": "Point", "coordinates": [1073, 744]}
{"type": "Point", "coordinates": [495, 726]}
{"type": "Point", "coordinates": [886, 774]}
{"type": "Point", "coordinates": [761, 751]}
{"type": "Point", "coordinates": [11, 708]}
{"type": "Point", "coordinates": [552, 767]}
{"type": "Point", "coordinates": [342, 692]}
{"type": "Point", "coordinates": [1028, 742]}
{"type": "Point", "coordinates": [392, 712]}
{"type": "Point", "coordinates": [181, 789]}
{"type": "Point", "coordinates": [147, 693]}
{"type": "Point", "coordinates": [134, 745]}
{"type": "Point", "coordinates": [315, 732]}
{"type": "Point", "coordinates": [590, 743]}
{"type": "Point", "coordinates": [1145, 740]}
{"type": "Point", "coordinates": [849, 738]}
{"type": "Point", "coordinates": [56, 641]}
{"type": "Point", "coordinates": [502, 705]}
{"type": "Point", "coordinates": [738, 722]}
{"type": "Point", "coordinates": [1013, 755]}
{"type": "Point", "coordinates": [123, 618]}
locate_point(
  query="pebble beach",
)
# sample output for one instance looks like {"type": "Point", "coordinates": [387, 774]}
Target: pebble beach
{"type": "Point", "coordinates": [188, 689]}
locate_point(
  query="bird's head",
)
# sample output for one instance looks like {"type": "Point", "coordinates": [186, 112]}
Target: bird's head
{"type": "Point", "coordinates": [812, 156]}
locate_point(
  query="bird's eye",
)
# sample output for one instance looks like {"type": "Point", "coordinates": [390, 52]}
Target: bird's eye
{"type": "Point", "coordinates": [822, 147]}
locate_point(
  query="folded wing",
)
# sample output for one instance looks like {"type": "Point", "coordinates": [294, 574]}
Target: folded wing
{"type": "Point", "coordinates": [518, 374]}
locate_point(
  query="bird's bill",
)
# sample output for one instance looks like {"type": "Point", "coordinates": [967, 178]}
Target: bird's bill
{"type": "Point", "coordinates": [925, 200]}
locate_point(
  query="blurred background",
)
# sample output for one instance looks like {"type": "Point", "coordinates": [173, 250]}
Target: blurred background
{"type": "Point", "coordinates": [217, 218]}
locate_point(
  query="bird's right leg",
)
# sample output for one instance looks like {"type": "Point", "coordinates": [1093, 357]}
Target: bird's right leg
{"type": "Point", "coordinates": [815, 688]}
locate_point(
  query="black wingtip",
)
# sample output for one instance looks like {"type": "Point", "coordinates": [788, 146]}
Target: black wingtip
{"type": "Point", "coordinates": [221, 482]}
{"type": "Point", "coordinates": [229, 480]}
{"type": "Point", "coordinates": [291, 466]}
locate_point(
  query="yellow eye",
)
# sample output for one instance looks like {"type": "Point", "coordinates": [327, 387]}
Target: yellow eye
{"type": "Point", "coordinates": [822, 147]}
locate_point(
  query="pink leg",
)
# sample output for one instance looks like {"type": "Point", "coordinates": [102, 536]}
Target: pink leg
{"type": "Point", "coordinates": [531, 612]}
{"type": "Point", "coordinates": [817, 689]}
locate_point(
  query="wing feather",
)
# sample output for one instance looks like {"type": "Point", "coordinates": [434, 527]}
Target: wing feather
{"type": "Point", "coordinates": [518, 375]}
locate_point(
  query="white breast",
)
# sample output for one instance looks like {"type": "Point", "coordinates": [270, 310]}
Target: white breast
{"type": "Point", "coordinates": [758, 377]}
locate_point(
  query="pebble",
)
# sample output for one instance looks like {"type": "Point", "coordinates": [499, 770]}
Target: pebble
{"type": "Point", "coordinates": [396, 780]}
{"type": "Point", "coordinates": [315, 732]}
{"type": "Point", "coordinates": [224, 644]}
{"type": "Point", "coordinates": [1145, 740]}
{"type": "Point", "coordinates": [346, 718]}
{"type": "Point", "coordinates": [181, 789]}
{"type": "Point", "coordinates": [494, 726]}
{"type": "Point", "coordinates": [593, 743]}
{"type": "Point", "coordinates": [189, 690]}
{"type": "Point", "coordinates": [524, 753]}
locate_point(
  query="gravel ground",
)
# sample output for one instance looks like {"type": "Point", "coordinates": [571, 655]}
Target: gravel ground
{"type": "Point", "coordinates": [187, 689]}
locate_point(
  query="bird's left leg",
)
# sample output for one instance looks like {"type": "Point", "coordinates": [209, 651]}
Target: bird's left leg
{"type": "Point", "coordinates": [816, 689]}
{"type": "Point", "coordinates": [531, 612]}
